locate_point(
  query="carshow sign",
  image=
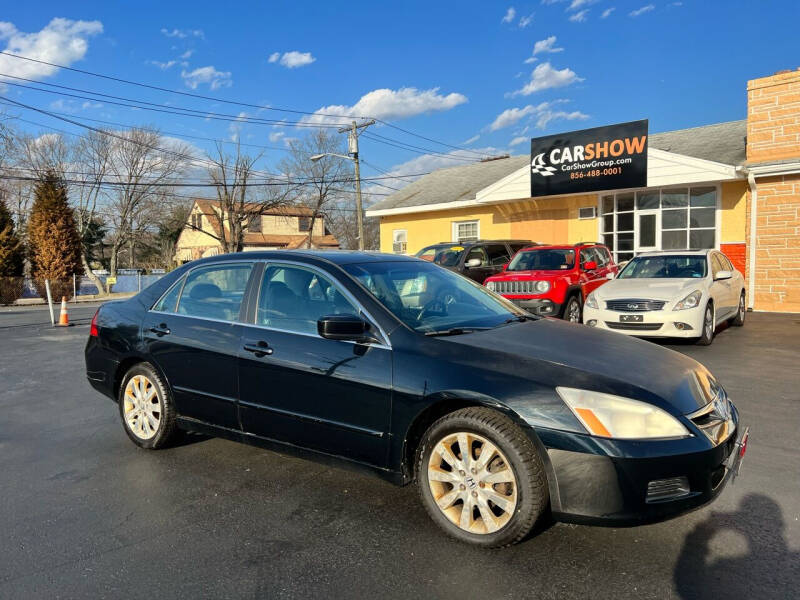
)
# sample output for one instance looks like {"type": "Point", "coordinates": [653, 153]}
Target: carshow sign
{"type": "Point", "coordinates": [600, 158]}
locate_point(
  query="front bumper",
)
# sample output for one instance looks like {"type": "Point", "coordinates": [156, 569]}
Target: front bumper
{"type": "Point", "coordinates": [656, 323]}
{"type": "Point", "coordinates": [605, 482]}
{"type": "Point", "coordinates": [543, 307]}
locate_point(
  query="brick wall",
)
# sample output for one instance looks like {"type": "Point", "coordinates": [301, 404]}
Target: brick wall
{"type": "Point", "coordinates": [773, 117]}
{"type": "Point", "coordinates": [777, 274]}
{"type": "Point", "coordinates": [737, 253]}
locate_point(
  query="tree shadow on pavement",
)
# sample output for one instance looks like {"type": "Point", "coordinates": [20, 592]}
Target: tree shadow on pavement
{"type": "Point", "coordinates": [769, 569]}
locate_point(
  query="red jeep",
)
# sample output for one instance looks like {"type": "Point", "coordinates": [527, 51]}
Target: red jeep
{"type": "Point", "coordinates": [554, 280]}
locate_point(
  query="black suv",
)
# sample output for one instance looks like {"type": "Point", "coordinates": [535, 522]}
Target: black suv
{"type": "Point", "coordinates": [477, 260]}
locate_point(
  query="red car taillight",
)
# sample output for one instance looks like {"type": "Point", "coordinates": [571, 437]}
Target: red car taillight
{"type": "Point", "coordinates": [93, 332]}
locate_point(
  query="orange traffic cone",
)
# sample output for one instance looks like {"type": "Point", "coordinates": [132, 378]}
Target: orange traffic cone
{"type": "Point", "coordinates": [63, 319]}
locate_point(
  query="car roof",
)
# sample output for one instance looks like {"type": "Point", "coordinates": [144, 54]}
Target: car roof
{"type": "Point", "coordinates": [475, 243]}
{"type": "Point", "coordinates": [675, 253]}
{"type": "Point", "coordinates": [338, 257]}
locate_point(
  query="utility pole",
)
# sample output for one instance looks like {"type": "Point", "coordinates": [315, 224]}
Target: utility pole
{"type": "Point", "coordinates": [352, 147]}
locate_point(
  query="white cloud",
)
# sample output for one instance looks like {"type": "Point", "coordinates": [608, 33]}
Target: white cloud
{"type": "Point", "coordinates": [644, 9]}
{"type": "Point", "coordinates": [390, 104]}
{"type": "Point", "coordinates": [676, 4]}
{"type": "Point", "coordinates": [510, 14]}
{"type": "Point", "coordinates": [61, 41]}
{"type": "Point", "coordinates": [183, 33]}
{"type": "Point", "coordinates": [540, 114]}
{"type": "Point", "coordinates": [186, 55]}
{"type": "Point", "coordinates": [607, 12]}
{"type": "Point", "coordinates": [163, 65]}
{"type": "Point", "coordinates": [544, 77]}
{"type": "Point", "coordinates": [546, 45]}
{"type": "Point", "coordinates": [472, 140]}
{"type": "Point", "coordinates": [576, 4]}
{"type": "Point", "coordinates": [528, 61]}
{"type": "Point", "coordinates": [293, 59]}
{"type": "Point", "coordinates": [580, 16]}
{"type": "Point", "coordinates": [521, 139]}
{"type": "Point", "coordinates": [525, 21]}
{"type": "Point", "coordinates": [87, 105]}
{"type": "Point", "coordinates": [207, 75]}
{"type": "Point", "coordinates": [276, 136]}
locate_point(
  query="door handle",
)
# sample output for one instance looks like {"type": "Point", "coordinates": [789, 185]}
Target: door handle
{"type": "Point", "coordinates": [160, 330]}
{"type": "Point", "coordinates": [260, 348]}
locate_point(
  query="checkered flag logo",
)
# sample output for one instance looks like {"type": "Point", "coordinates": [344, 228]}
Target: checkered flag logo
{"type": "Point", "coordinates": [538, 166]}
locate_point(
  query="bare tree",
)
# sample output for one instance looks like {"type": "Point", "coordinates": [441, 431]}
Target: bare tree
{"type": "Point", "coordinates": [138, 168]}
{"type": "Point", "coordinates": [238, 202]}
{"type": "Point", "coordinates": [320, 181]}
{"type": "Point", "coordinates": [93, 153]}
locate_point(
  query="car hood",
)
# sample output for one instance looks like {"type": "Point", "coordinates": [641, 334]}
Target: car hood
{"type": "Point", "coordinates": [526, 275]}
{"type": "Point", "coordinates": [658, 289]}
{"type": "Point", "coordinates": [559, 353]}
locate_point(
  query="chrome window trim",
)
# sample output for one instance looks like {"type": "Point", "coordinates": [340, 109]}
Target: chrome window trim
{"type": "Point", "coordinates": [182, 281]}
{"type": "Point", "coordinates": [337, 284]}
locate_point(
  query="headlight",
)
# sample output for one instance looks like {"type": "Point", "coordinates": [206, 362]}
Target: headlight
{"type": "Point", "coordinates": [691, 301]}
{"type": "Point", "coordinates": [490, 286]}
{"type": "Point", "coordinates": [609, 416]}
{"type": "Point", "coordinates": [542, 286]}
{"type": "Point", "coordinates": [591, 300]}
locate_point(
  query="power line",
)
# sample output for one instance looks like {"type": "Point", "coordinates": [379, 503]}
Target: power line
{"type": "Point", "coordinates": [237, 103]}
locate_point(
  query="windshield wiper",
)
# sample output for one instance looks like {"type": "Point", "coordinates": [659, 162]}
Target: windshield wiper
{"type": "Point", "coordinates": [521, 319]}
{"type": "Point", "coordinates": [454, 331]}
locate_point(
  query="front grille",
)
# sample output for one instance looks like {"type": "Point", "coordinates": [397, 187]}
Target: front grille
{"type": "Point", "coordinates": [634, 326]}
{"type": "Point", "coordinates": [634, 305]}
{"type": "Point", "coordinates": [715, 419]}
{"type": "Point", "coordinates": [515, 287]}
{"type": "Point", "coordinates": [660, 490]}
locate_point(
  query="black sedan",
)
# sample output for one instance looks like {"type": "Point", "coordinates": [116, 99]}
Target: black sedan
{"type": "Point", "coordinates": [418, 374]}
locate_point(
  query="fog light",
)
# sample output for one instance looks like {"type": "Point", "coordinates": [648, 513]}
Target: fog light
{"type": "Point", "coordinates": [682, 326]}
{"type": "Point", "coordinates": [661, 490]}
{"type": "Point", "coordinates": [591, 322]}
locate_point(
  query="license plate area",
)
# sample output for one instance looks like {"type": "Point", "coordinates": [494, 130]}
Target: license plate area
{"type": "Point", "coordinates": [631, 318]}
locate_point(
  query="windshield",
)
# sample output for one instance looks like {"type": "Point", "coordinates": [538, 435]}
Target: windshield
{"type": "Point", "coordinates": [542, 260]}
{"type": "Point", "coordinates": [665, 267]}
{"type": "Point", "coordinates": [428, 298]}
{"type": "Point", "coordinates": [446, 256]}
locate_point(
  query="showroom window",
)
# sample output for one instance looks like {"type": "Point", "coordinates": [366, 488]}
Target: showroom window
{"type": "Point", "coordinates": [677, 218]}
{"type": "Point", "coordinates": [466, 231]}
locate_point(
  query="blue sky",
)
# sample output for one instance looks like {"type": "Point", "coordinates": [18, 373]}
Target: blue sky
{"type": "Point", "coordinates": [463, 73]}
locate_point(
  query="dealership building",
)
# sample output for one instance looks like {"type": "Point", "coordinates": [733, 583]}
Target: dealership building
{"type": "Point", "coordinates": [732, 186]}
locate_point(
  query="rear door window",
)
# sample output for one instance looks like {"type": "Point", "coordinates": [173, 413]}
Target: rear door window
{"type": "Point", "coordinates": [498, 254]}
{"type": "Point", "coordinates": [215, 292]}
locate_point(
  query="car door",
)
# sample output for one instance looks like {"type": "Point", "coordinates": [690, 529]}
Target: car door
{"type": "Point", "coordinates": [591, 279]}
{"type": "Point", "coordinates": [725, 298]}
{"type": "Point", "coordinates": [193, 335]}
{"type": "Point", "coordinates": [481, 270]}
{"type": "Point", "coordinates": [298, 387]}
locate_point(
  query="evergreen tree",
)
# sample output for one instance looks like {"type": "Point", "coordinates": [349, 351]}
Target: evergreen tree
{"type": "Point", "coordinates": [11, 252]}
{"type": "Point", "coordinates": [54, 245]}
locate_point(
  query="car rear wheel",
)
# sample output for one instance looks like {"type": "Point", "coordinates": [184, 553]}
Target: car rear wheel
{"type": "Point", "coordinates": [738, 320]}
{"type": "Point", "coordinates": [146, 408]}
{"type": "Point", "coordinates": [708, 327]}
{"type": "Point", "coordinates": [481, 478]}
{"type": "Point", "coordinates": [572, 311]}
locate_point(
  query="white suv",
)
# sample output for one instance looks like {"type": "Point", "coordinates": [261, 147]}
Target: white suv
{"type": "Point", "coordinates": [682, 294]}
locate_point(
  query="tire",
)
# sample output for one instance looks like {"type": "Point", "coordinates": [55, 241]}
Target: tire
{"type": "Point", "coordinates": [146, 408]}
{"type": "Point", "coordinates": [573, 310]}
{"type": "Point", "coordinates": [738, 320]}
{"type": "Point", "coordinates": [708, 331]}
{"type": "Point", "coordinates": [520, 484]}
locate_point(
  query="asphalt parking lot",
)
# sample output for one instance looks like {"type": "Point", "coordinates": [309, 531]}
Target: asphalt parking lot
{"type": "Point", "coordinates": [84, 513]}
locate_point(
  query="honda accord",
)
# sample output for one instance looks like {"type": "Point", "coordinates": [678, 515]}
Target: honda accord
{"type": "Point", "coordinates": [408, 370]}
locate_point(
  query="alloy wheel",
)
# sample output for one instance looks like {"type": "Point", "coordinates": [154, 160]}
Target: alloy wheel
{"type": "Point", "coordinates": [708, 323]}
{"type": "Point", "coordinates": [742, 310]}
{"type": "Point", "coordinates": [142, 407]}
{"type": "Point", "coordinates": [472, 482]}
{"type": "Point", "coordinates": [574, 311]}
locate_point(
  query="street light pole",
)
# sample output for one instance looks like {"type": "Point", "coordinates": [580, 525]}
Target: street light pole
{"type": "Point", "coordinates": [359, 210]}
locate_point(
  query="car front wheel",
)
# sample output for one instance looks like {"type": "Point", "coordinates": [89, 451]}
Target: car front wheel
{"type": "Point", "coordinates": [708, 327]}
{"type": "Point", "coordinates": [146, 408]}
{"type": "Point", "coordinates": [572, 311]}
{"type": "Point", "coordinates": [481, 478]}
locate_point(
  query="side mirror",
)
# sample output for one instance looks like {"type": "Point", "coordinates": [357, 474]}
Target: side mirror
{"type": "Point", "coordinates": [472, 263]}
{"type": "Point", "coordinates": [723, 275]}
{"type": "Point", "coordinates": [589, 265]}
{"type": "Point", "coordinates": [350, 328]}
{"type": "Point", "coordinates": [610, 275]}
